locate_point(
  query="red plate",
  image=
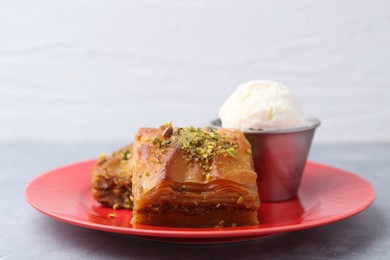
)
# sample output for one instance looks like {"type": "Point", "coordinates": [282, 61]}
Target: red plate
{"type": "Point", "coordinates": [326, 195]}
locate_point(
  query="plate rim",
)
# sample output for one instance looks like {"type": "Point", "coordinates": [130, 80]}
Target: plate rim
{"type": "Point", "coordinates": [171, 232]}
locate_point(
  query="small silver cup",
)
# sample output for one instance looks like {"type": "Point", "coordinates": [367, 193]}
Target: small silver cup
{"type": "Point", "coordinates": [279, 157]}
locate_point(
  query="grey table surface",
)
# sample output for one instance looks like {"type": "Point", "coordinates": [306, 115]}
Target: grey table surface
{"type": "Point", "coordinates": [29, 234]}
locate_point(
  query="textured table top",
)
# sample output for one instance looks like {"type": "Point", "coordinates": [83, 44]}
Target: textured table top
{"type": "Point", "coordinates": [28, 234]}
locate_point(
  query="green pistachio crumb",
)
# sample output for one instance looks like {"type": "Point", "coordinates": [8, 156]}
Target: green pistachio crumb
{"type": "Point", "coordinates": [232, 151]}
{"type": "Point", "coordinates": [199, 146]}
{"type": "Point", "coordinates": [240, 200]}
{"type": "Point", "coordinates": [157, 141]}
{"type": "Point", "coordinates": [102, 158]}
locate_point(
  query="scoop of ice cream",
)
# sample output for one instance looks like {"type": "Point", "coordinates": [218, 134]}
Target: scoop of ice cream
{"type": "Point", "coordinates": [262, 104]}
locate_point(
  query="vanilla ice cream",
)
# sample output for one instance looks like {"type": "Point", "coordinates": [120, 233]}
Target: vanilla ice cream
{"type": "Point", "coordinates": [262, 104]}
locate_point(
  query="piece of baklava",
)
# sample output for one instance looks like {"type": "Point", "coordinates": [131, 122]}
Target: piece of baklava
{"type": "Point", "coordinates": [112, 179]}
{"type": "Point", "coordinates": [188, 177]}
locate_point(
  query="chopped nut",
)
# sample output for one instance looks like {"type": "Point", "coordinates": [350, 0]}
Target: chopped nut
{"type": "Point", "coordinates": [220, 223]}
{"type": "Point", "coordinates": [165, 143]}
{"type": "Point", "coordinates": [168, 132]}
{"type": "Point", "coordinates": [240, 200]}
{"type": "Point", "coordinates": [249, 151]}
{"type": "Point", "coordinates": [126, 155]}
{"type": "Point", "coordinates": [176, 131]}
{"type": "Point", "coordinates": [200, 146]}
{"type": "Point", "coordinates": [102, 158]}
{"type": "Point", "coordinates": [115, 206]}
{"type": "Point", "coordinates": [232, 151]}
{"type": "Point", "coordinates": [163, 126]}
{"type": "Point", "coordinates": [212, 135]}
{"type": "Point", "coordinates": [131, 198]}
{"type": "Point", "coordinates": [218, 205]}
{"type": "Point", "coordinates": [147, 174]}
{"type": "Point", "coordinates": [111, 215]}
{"type": "Point", "coordinates": [157, 142]}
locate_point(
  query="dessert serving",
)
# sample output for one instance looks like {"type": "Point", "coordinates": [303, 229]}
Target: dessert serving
{"type": "Point", "coordinates": [193, 185]}
{"type": "Point", "coordinates": [182, 177]}
{"type": "Point", "coordinates": [280, 134]}
{"type": "Point", "coordinates": [190, 177]}
{"type": "Point", "coordinates": [262, 105]}
{"type": "Point", "coordinates": [112, 179]}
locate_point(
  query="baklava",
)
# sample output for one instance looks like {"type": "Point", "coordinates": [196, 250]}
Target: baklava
{"type": "Point", "coordinates": [112, 179]}
{"type": "Point", "coordinates": [191, 177]}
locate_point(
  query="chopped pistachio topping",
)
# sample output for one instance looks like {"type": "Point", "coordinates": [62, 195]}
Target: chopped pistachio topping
{"type": "Point", "coordinates": [168, 131]}
{"type": "Point", "coordinates": [157, 141]}
{"type": "Point", "coordinates": [166, 143]}
{"type": "Point", "coordinates": [166, 125]}
{"type": "Point", "coordinates": [127, 155]}
{"type": "Point", "coordinates": [232, 151]}
{"type": "Point", "coordinates": [102, 158]}
{"type": "Point", "coordinates": [240, 200]}
{"type": "Point", "coordinates": [201, 146]}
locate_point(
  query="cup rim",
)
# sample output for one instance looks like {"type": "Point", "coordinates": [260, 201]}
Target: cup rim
{"type": "Point", "coordinates": [313, 124]}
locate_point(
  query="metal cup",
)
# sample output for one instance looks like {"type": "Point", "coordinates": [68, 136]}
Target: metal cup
{"type": "Point", "coordinates": [279, 157]}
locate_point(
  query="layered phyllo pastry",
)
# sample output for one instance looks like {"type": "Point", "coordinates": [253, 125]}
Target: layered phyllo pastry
{"type": "Point", "coordinates": [191, 177]}
{"type": "Point", "coordinates": [181, 177]}
{"type": "Point", "coordinates": [112, 179]}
